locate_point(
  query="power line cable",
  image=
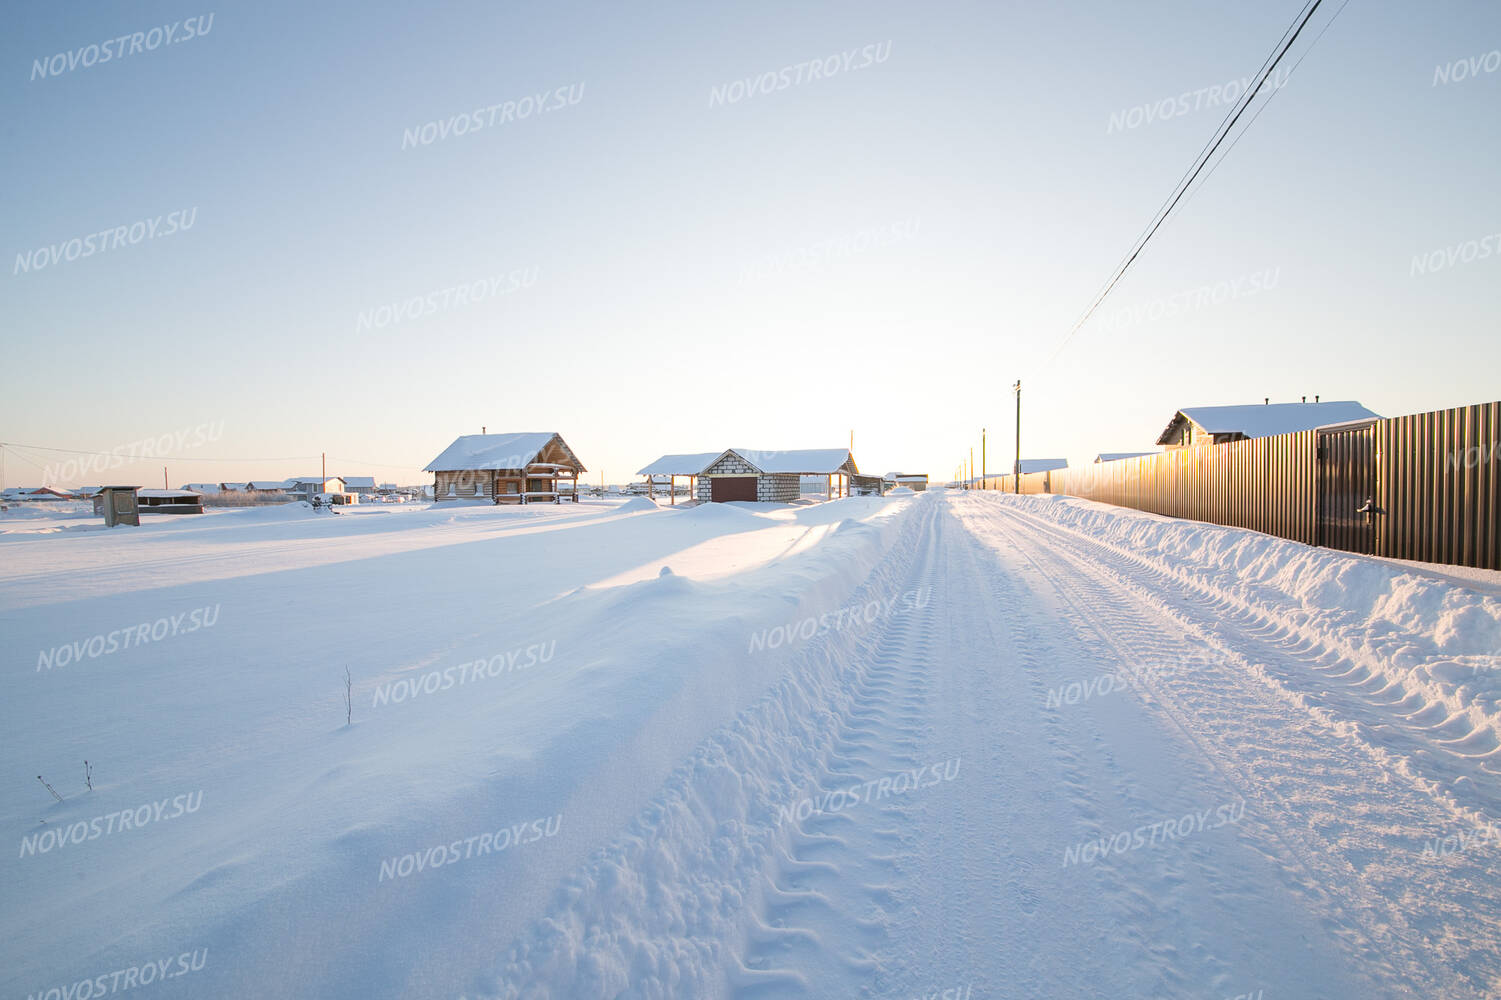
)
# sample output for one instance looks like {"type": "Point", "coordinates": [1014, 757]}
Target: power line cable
{"type": "Point", "coordinates": [1275, 91]}
{"type": "Point", "coordinates": [1162, 214]}
{"type": "Point", "coordinates": [1245, 96]}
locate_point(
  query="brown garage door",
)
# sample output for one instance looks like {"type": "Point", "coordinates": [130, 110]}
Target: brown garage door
{"type": "Point", "coordinates": [722, 488]}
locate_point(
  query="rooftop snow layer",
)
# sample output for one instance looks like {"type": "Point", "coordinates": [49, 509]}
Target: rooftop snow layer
{"type": "Point", "coordinates": [1269, 420]}
{"type": "Point", "coordinates": [680, 465]}
{"type": "Point", "coordinates": [808, 461]}
{"type": "Point", "coordinates": [491, 451]}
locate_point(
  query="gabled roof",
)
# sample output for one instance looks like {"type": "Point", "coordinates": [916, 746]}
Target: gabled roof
{"type": "Point", "coordinates": [496, 452]}
{"type": "Point", "coordinates": [267, 484]}
{"type": "Point", "coordinates": [310, 480]}
{"type": "Point", "coordinates": [1267, 420]}
{"type": "Point", "coordinates": [360, 481]}
{"type": "Point", "coordinates": [1116, 456]}
{"type": "Point", "coordinates": [805, 461]}
{"type": "Point", "coordinates": [202, 487]}
{"type": "Point", "coordinates": [680, 465]}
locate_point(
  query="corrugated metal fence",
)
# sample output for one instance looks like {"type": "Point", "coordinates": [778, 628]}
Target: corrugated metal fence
{"type": "Point", "coordinates": [1425, 486]}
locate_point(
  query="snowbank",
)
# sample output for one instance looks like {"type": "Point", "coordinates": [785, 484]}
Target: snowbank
{"type": "Point", "coordinates": [1429, 638]}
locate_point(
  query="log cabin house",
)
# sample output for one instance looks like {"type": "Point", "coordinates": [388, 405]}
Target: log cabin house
{"type": "Point", "coordinates": [507, 468]}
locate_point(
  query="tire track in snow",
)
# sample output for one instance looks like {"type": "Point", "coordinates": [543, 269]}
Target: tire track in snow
{"type": "Point", "coordinates": [688, 900]}
{"type": "Point", "coordinates": [1354, 823]}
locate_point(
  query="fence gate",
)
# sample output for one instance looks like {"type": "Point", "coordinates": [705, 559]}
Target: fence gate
{"type": "Point", "coordinates": [1347, 488]}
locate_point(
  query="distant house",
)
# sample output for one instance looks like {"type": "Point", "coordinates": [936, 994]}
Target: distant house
{"type": "Point", "coordinates": [916, 482]}
{"type": "Point", "coordinates": [1030, 465]}
{"type": "Point", "coordinates": [506, 468]}
{"type": "Point", "coordinates": [204, 489]}
{"type": "Point", "coordinates": [32, 493]}
{"type": "Point", "coordinates": [1116, 456]}
{"type": "Point", "coordinates": [268, 485]}
{"type": "Point", "coordinates": [771, 476]}
{"type": "Point", "coordinates": [307, 487]}
{"type": "Point", "coordinates": [234, 487]}
{"type": "Point", "coordinates": [363, 485]}
{"type": "Point", "coordinates": [1196, 426]}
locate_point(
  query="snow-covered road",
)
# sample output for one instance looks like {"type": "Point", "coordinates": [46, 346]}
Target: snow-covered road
{"type": "Point", "coordinates": [996, 746]}
{"type": "Point", "coordinates": [1123, 784]}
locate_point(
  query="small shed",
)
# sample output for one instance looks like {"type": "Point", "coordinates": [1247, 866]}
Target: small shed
{"type": "Point", "coordinates": [507, 468]}
{"type": "Point", "coordinates": [118, 504]}
{"type": "Point", "coordinates": [772, 476]}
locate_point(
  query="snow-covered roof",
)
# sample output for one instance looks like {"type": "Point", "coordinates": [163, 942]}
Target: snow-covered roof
{"type": "Point", "coordinates": [1116, 456]}
{"type": "Point", "coordinates": [310, 480]}
{"type": "Point", "coordinates": [493, 451]}
{"type": "Point", "coordinates": [1041, 465]}
{"type": "Point", "coordinates": [680, 465]}
{"type": "Point", "coordinates": [268, 484]}
{"type": "Point", "coordinates": [169, 494]}
{"type": "Point", "coordinates": [366, 482]}
{"type": "Point", "coordinates": [806, 461]}
{"type": "Point", "coordinates": [234, 486]}
{"type": "Point", "coordinates": [1268, 420]}
{"type": "Point", "coordinates": [202, 487]}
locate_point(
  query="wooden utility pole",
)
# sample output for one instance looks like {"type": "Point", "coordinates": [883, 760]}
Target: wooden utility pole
{"type": "Point", "coordinates": [1016, 477]}
{"type": "Point", "coordinates": [984, 466]}
{"type": "Point", "coordinates": [164, 478]}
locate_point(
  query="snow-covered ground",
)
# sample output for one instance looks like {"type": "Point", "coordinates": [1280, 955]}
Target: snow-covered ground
{"type": "Point", "coordinates": [991, 745]}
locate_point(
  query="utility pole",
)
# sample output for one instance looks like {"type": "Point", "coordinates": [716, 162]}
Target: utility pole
{"type": "Point", "coordinates": [984, 466]}
{"type": "Point", "coordinates": [164, 478]}
{"type": "Point", "coordinates": [323, 486]}
{"type": "Point", "coordinates": [1016, 477]}
{"type": "Point", "coordinates": [971, 466]}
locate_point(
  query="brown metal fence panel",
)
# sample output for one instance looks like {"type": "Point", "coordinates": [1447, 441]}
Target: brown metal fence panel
{"type": "Point", "coordinates": [1441, 486]}
{"type": "Point", "coordinates": [1436, 478]}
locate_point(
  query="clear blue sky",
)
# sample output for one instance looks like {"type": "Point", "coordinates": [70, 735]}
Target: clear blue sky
{"type": "Point", "coordinates": [976, 164]}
